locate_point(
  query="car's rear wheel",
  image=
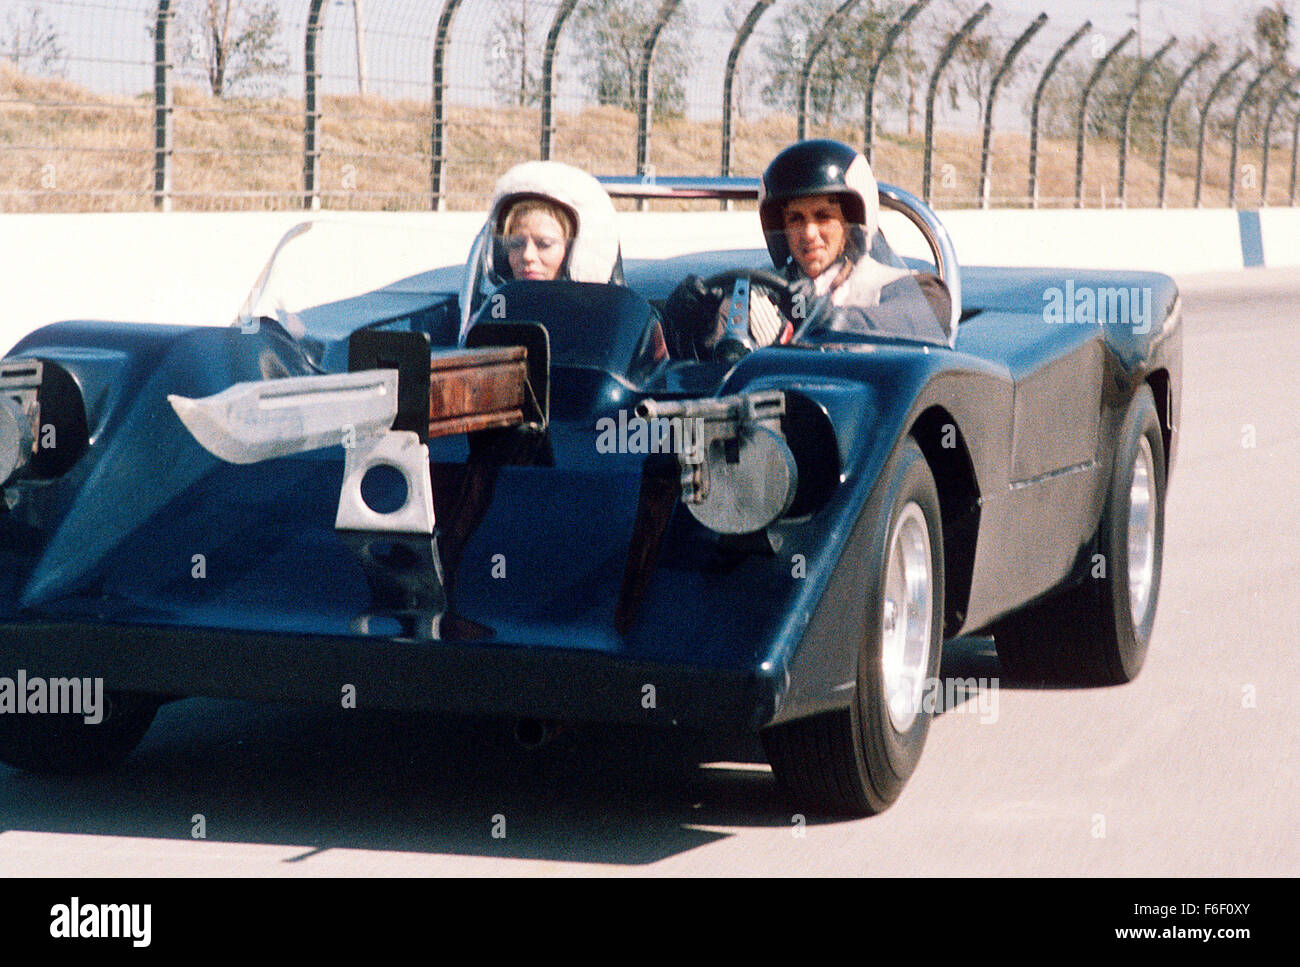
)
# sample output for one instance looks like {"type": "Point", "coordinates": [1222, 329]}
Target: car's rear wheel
{"type": "Point", "coordinates": [66, 744]}
{"type": "Point", "coordinates": [857, 760]}
{"type": "Point", "coordinates": [1098, 632]}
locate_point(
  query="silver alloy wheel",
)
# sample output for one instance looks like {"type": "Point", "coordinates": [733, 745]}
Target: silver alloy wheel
{"type": "Point", "coordinates": [1141, 533]}
{"type": "Point", "coordinates": [906, 616]}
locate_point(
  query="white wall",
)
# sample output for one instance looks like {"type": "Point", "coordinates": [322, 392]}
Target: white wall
{"type": "Point", "coordinates": [198, 268]}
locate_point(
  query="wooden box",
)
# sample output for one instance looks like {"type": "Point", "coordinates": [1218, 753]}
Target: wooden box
{"type": "Point", "coordinates": [476, 389]}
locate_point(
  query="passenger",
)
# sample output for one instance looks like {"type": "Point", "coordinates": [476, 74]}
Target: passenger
{"type": "Point", "coordinates": [820, 209]}
{"type": "Point", "coordinates": [550, 221]}
{"type": "Point", "coordinates": [553, 221]}
{"type": "Point", "coordinates": [537, 233]}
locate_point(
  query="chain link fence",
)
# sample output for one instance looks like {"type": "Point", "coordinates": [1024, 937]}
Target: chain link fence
{"type": "Point", "coordinates": [76, 106]}
{"type": "Point", "coordinates": [113, 105]}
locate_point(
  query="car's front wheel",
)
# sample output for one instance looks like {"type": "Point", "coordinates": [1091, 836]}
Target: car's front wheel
{"type": "Point", "coordinates": [1098, 632]}
{"type": "Point", "coordinates": [857, 760]}
{"type": "Point", "coordinates": [66, 744]}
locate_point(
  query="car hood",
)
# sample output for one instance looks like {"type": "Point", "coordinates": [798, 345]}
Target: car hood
{"type": "Point", "coordinates": [150, 529]}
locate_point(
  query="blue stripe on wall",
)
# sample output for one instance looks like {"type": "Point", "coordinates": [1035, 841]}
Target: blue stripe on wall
{"type": "Point", "coordinates": [1252, 239]}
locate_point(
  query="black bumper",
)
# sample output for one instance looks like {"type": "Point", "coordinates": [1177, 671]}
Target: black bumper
{"type": "Point", "coordinates": [433, 675]}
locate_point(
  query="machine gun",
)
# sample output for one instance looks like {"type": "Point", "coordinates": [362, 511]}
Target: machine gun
{"type": "Point", "coordinates": [737, 472]}
{"type": "Point", "coordinates": [20, 381]}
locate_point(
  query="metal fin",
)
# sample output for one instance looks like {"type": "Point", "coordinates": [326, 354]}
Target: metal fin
{"type": "Point", "coordinates": [273, 418]}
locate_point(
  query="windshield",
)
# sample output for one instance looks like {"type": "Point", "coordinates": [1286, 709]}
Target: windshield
{"type": "Point", "coordinates": [328, 261]}
{"type": "Point", "coordinates": [329, 276]}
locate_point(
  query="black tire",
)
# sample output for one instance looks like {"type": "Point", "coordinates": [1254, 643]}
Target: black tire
{"type": "Point", "coordinates": [65, 744]}
{"type": "Point", "coordinates": [1089, 634]}
{"type": "Point", "coordinates": [856, 761]}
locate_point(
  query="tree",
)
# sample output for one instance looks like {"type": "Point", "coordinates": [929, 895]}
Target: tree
{"type": "Point", "coordinates": [614, 33]}
{"type": "Point", "coordinates": [974, 64]}
{"type": "Point", "coordinates": [232, 41]}
{"type": "Point", "coordinates": [911, 73]}
{"type": "Point", "coordinates": [517, 38]}
{"type": "Point", "coordinates": [859, 41]}
{"type": "Point", "coordinates": [31, 43]}
{"type": "Point", "coordinates": [1202, 83]}
{"type": "Point", "coordinates": [1272, 28]}
{"type": "Point", "coordinates": [1060, 106]}
{"type": "Point", "coordinates": [837, 87]}
{"type": "Point", "coordinates": [829, 86]}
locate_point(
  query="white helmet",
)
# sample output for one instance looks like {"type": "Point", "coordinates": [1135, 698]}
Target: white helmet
{"type": "Point", "coordinates": [593, 254]}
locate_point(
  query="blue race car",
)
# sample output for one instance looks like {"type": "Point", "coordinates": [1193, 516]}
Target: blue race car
{"type": "Point", "coordinates": [476, 495]}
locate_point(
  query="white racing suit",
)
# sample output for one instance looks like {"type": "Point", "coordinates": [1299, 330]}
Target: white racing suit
{"type": "Point", "coordinates": [872, 297]}
{"type": "Point", "coordinates": [868, 297]}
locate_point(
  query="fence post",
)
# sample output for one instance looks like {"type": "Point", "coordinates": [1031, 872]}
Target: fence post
{"type": "Point", "coordinates": [868, 121]}
{"type": "Point", "coordinates": [814, 49]}
{"type": "Point", "coordinates": [311, 129]}
{"type": "Point", "coordinates": [1005, 66]}
{"type": "Point", "coordinates": [1236, 130]}
{"type": "Point", "coordinates": [645, 94]}
{"type": "Point", "coordinates": [1205, 115]}
{"type": "Point", "coordinates": [1081, 133]}
{"type": "Point", "coordinates": [1052, 64]}
{"type": "Point", "coordinates": [949, 49]}
{"type": "Point", "coordinates": [359, 36]}
{"type": "Point", "coordinates": [1288, 87]}
{"type": "Point", "coordinates": [438, 162]}
{"type": "Point", "coordinates": [162, 109]}
{"type": "Point", "coordinates": [1295, 148]}
{"type": "Point", "coordinates": [1143, 72]}
{"type": "Point", "coordinates": [1201, 58]}
{"type": "Point", "coordinates": [548, 76]}
{"type": "Point", "coordinates": [728, 77]}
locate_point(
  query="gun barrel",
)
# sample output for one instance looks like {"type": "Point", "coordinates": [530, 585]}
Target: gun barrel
{"type": "Point", "coordinates": [757, 404]}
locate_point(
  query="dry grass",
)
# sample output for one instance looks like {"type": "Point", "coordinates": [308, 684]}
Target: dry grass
{"type": "Point", "coordinates": [68, 149]}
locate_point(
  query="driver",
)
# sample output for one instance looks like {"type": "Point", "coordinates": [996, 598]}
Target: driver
{"type": "Point", "coordinates": [820, 209]}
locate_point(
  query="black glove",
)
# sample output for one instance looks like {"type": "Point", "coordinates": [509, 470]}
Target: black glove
{"type": "Point", "coordinates": [690, 318]}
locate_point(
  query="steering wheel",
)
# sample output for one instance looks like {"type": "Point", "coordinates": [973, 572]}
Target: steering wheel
{"type": "Point", "coordinates": [737, 341]}
{"type": "Point", "coordinates": [765, 276]}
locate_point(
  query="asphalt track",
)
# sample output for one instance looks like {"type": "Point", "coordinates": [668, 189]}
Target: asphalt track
{"type": "Point", "coordinates": [1191, 770]}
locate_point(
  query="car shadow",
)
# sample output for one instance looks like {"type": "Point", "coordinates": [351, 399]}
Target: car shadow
{"type": "Point", "coordinates": [362, 780]}
{"type": "Point", "coordinates": [324, 779]}
{"type": "Point", "coordinates": [970, 666]}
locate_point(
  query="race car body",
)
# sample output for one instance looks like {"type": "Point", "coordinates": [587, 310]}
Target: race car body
{"type": "Point", "coordinates": [509, 500]}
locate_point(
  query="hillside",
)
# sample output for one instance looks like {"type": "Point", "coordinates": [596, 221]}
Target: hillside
{"type": "Point", "coordinates": [68, 149]}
